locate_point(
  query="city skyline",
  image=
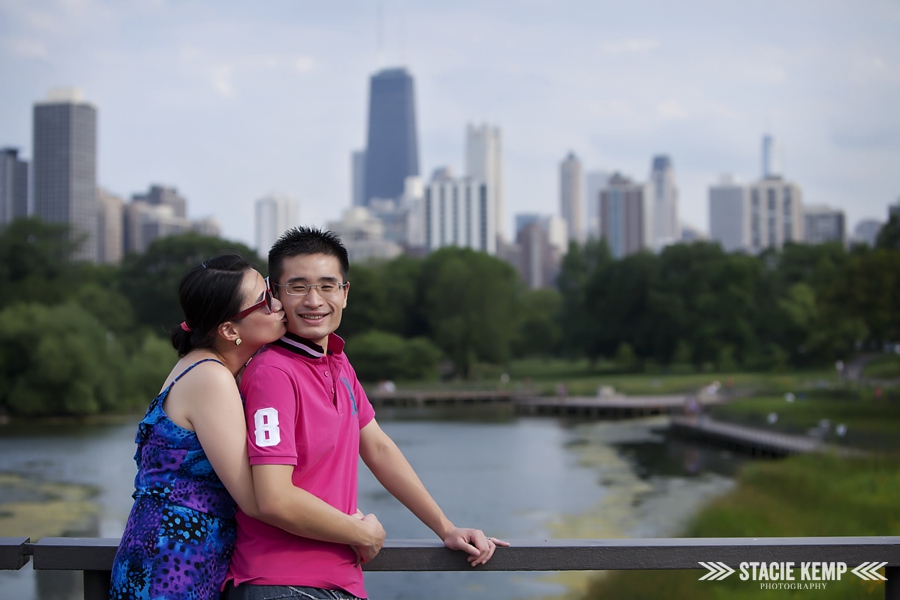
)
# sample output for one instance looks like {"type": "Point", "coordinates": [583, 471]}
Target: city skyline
{"type": "Point", "coordinates": [182, 102]}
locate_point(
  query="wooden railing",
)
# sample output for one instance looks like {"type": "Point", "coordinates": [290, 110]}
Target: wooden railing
{"type": "Point", "coordinates": [95, 556]}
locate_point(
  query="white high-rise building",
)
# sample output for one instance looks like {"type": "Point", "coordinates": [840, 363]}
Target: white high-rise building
{"type": "Point", "coordinates": [275, 214]}
{"type": "Point", "coordinates": [776, 214]}
{"type": "Point", "coordinates": [823, 224]}
{"type": "Point", "coordinates": [729, 215]}
{"type": "Point", "coordinates": [364, 235]}
{"type": "Point", "coordinates": [595, 181]}
{"type": "Point", "coordinates": [484, 162]}
{"type": "Point", "coordinates": [772, 157]}
{"type": "Point", "coordinates": [110, 219]}
{"type": "Point", "coordinates": [664, 194]}
{"type": "Point", "coordinates": [458, 212]}
{"type": "Point", "coordinates": [412, 203]}
{"type": "Point", "coordinates": [571, 196]}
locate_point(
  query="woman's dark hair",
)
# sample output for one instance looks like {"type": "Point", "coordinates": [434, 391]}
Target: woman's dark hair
{"type": "Point", "coordinates": [209, 294]}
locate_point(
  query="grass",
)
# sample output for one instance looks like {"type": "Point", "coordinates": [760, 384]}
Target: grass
{"type": "Point", "coordinates": [871, 419]}
{"type": "Point", "coordinates": [812, 495]}
{"type": "Point", "coordinates": [582, 379]}
{"type": "Point", "coordinates": [886, 366]}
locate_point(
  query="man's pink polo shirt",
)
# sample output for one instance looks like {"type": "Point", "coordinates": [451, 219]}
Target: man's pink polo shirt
{"type": "Point", "coordinates": [304, 408]}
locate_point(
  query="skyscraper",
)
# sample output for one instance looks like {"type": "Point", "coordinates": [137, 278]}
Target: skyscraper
{"type": "Point", "coordinates": [776, 214]}
{"type": "Point", "coordinates": [392, 152]}
{"type": "Point", "coordinates": [457, 212]}
{"type": "Point", "coordinates": [484, 161]}
{"type": "Point", "coordinates": [275, 214]}
{"type": "Point", "coordinates": [571, 196]}
{"type": "Point", "coordinates": [595, 182]}
{"type": "Point", "coordinates": [160, 195]}
{"type": "Point", "coordinates": [65, 166]}
{"type": "Point", "coordinates": [358, 178]}
{"type": "Point", "coordinates": [110, 221]}
{"type": "Point", "coordinates": [542, 241]}
{"type": "Point", "coordinates": [771, 157]}
{"type": "Point", "coordinates": [13, 186]}
{"type": "Point", "coordinates": [729, 215]}
{"type": "Point", "coordinates": [666, 227]}
{"type": "Point", "coordinates": [823, 224]}
{"type": "Point", "coordinates": [625, 207]}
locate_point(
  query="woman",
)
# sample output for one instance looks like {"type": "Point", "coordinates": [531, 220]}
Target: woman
{"type": "Point", "coordinates": [192, 444]}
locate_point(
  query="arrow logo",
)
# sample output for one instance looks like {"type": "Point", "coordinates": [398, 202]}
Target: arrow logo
{"type": "Point", "coordinates": [868, 571]}
{"type": "Point", "coordinates": [717, 571]}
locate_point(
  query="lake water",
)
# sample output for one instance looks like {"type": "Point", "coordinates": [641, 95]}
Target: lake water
{"type": "Point", "coordinates": [518, 478]}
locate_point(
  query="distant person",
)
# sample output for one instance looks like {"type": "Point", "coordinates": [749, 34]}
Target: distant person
{"type": "Point", "coordinates": [192, 443]}
{"type": "Point", "coordinates": [309, 421]}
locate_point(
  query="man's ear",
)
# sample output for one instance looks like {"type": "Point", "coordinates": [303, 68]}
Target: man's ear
{"type": "Point", "coordinates": [346, 294]}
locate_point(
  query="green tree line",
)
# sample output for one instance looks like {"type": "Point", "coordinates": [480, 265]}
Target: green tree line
{"type": "Point", "coordinates": [78, 338]}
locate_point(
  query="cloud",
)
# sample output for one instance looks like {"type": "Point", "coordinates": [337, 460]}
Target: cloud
{"type": "Point", "coordinates": [304, 64]}
{"type": "Point", "coordinates": [27, 48]}
{"type": "Point", "coordinates": [671, 110]}
{"type": "Point", "coordinates": [221, 79]}
{"type": "Point", "coordinates": [629, 46]}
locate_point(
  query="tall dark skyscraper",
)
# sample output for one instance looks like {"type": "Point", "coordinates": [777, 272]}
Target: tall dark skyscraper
{"type": "Point", "coordinates": [13, 186]}
{"type": "Point", "coordinates": [65, 166]}
{"type": "Point", "coordinates": [392, 149]}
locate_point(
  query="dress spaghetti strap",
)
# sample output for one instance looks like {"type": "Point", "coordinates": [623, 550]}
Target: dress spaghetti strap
{"type": "Point", "coordinates": [183, 373]}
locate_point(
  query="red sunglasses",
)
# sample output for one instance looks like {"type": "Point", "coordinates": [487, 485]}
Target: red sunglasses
{"type": "Point", "coordinates": [265, 302]}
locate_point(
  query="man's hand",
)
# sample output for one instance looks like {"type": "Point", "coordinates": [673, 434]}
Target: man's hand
{"type": "Point", "coordinates": [473, 541]}
{"type": "Point", "coordinates": [374, 532]}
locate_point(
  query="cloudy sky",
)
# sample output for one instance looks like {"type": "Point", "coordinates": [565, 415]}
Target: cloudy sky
{"type": "Point", "coordinates": [228, 101]}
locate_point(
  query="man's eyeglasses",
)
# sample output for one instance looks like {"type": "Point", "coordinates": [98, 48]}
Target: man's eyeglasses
{"type": "Point", "coordinates": [266, 303]}
{"type": "Point", "coordinates": [302, 289]}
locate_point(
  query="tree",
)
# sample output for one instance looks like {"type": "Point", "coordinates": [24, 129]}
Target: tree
{"type": "Point", "coordinates": [35, 262]}
{"type": "Point", "coordinates": [150, 280]}
{"type": "Point", "coordinates": [866, 292]}
{"type": "Point", "coordinates": [469, 303]}
{"type": "Point", "coordinates": [539, 331]}
{"type": "Point", "coordinates": [580, 266]}
{"type": "Point", "coordinates": [56, 361]}
{"type": "Point", "coordinates": [385, 297]}
{"type": "Point", "coordinates": [378, 356]}
{"type": "Point", "coordinates": [889, 235]}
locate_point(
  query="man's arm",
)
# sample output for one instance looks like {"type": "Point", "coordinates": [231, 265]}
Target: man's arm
{"type": "Point", "coordinates": [297, 511]}
{"type": "Point", "coordinates": [394, 472]}
{"type": "Point", "coordinates": [271, 407]}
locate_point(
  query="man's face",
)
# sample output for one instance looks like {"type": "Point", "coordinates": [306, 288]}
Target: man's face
{"type": "Point", "coordinates": [315, 315]}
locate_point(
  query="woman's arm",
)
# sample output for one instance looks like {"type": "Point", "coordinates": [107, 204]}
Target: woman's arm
{"type": "Point", "coordinates": [216, 414]}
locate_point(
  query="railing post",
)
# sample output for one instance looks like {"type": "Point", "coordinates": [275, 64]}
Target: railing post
{"type": "Point", "coordinates": [892, 585]}
{"type": "Point", "coordinates": [96, 585]}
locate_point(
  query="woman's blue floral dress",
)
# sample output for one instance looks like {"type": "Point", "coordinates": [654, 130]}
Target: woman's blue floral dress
{"type": "Point", "coordinates": [180, 534]}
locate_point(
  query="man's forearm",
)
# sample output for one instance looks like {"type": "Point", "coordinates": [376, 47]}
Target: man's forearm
{"type": "Point", "coordinates": [295, 510]}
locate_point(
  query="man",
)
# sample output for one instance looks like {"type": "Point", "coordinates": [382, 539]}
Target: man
{"type": "Point", "coordinates": [308, 421]}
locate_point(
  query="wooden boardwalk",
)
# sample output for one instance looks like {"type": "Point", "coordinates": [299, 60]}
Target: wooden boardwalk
{"type": "Point", "coordinates": [438, 398]}
{"type": "Point", "coordinates": [616, 406]}
{"type": "Point", "coordinates": [697, 426]}
{"type": "Point", "coordinates": [610, 406]}
{"type": "Point", "coordinates": [752, 439]}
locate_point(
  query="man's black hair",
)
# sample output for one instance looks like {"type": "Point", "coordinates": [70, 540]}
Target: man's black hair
{"type": "Point", "coordinates": [306, 240]}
